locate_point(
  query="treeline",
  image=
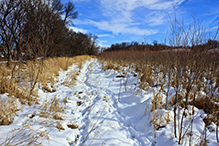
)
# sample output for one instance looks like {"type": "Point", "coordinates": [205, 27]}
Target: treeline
{"type": "Point", "coordinates": [40, 28]}
{"type": "Point", "coordinates": [210, 44]}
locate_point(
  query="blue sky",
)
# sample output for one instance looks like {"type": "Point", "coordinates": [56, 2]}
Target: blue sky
{"type": "Point", "coordinates": [116, 21]}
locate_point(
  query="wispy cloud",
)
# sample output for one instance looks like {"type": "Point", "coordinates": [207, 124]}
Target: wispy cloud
{"type": "Point", "coordinates": [105, 35]}
{"type": "Point", "coordinates": [211, 29]}
{"type": "Point", "coordinates": [77, 29]}
{"type": "Point", "coordinates": [122, 28]}
{"type": "Point", "coordinates": [155, 18]}
{"type": "Point", "coordinates": [119, 16]}
{"type": "Point", "coordinates": [164, 5]}
{"type": "Point", "coordinates": [116, 20]}
{"type": "Point", "coordinates": [102, 43]}
{"type": "Point", "coordinates": [122, 9]}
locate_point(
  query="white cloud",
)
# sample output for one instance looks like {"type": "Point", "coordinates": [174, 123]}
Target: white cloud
{"type": "Point", "coordinates": [165, 5]}
{"type": "Point", "coordinates": [155, 18]}
{"type": "Point", "coordinates": [117, 11]}
{"type": "Point", "coordinates": [122, 28]}
{"type": "Point", "coordinates": [123, 8]}
{"type": "Point", "coordinates": [77, 29]}
{"type": "Point", "coordinates": [105, 35]}
{"type": "Point", "coordinates": [103, 46]}
{"type": "Point", "coordinates": [120, 17]}
{"type": "Point", "coordinates": [211, 29]}
{"type": "Point", "coordinates": [116, 28]}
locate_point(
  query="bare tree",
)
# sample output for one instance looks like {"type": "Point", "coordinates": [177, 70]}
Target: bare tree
{"type": "Point", "coordinates": [10, 26]}
{"type": "Point", "coordinates": [44, 29]}
{"type": "Point", "coordinates": [70, 13]}
{"type": "Point", "coordinates": [36, 28]}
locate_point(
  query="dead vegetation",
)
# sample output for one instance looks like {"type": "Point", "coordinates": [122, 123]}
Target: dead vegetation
{"type": "Point", "coordinates": [183, 79]}
{"type": "Point", "coordinates": [73, 126]}
{"type": "Point", "coordinates": [16, 83]}
{"type": "Point", "coordinates": [21, 81]}
{"type": "Point", "coordinates": [72, 75]}
{"type": "Point", "coordinates": [52, 109]}
{"type": "Point", "coordinates": [26, 135]}
{"type": "Point", "coordinates": [8, 110]}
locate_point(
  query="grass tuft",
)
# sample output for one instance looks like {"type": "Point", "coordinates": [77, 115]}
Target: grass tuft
{"type": "Point", "coordinates": [52, 109]}
{"type": "Point", "coordinates": [8, 110]}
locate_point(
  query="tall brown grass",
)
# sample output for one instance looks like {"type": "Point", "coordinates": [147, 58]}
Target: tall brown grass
{"type": "Point", "coordinates": [21, 80]}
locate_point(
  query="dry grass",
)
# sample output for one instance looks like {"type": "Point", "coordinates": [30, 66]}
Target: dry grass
{"type": "Point", "coordinates": [72, 75]}
{"type": "Point", "coordinates": [71, 78]}
{"type": "Point", "coordinates": [8, 110]}
{"type": "Point", "coordinates": [9, 83]}
{"type": "Point", "coordinates": [109, 65]}
{"type": "Point", "coordinates": [25, 136]}
{"type": "Point", "coordinates": [160, 119]}
{"type": "Point", "coordinates": [20, 80]}
{"type": "Point", "coordinates": [52, 109]}
{"type": "Point", "coordinates": [157, 102]}
{"type": "Point", "coordinates": [146, 79]}
{"type": "Point", "coordinates": [73, 126]}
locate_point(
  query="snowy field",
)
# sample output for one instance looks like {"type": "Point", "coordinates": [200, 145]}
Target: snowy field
{"type": "Point", "coordinates": [101, 108]}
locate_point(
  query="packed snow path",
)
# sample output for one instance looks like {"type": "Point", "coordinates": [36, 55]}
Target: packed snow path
{"type": "Point", "coordinates": [102, 119]}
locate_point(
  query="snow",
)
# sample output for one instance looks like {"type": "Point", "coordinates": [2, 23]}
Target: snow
{"type": "Point", "coordinates": [105, 109]}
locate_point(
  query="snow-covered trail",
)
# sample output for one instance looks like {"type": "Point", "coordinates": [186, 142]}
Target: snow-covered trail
{"type": "Point", "coordinates": [103, 119]}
